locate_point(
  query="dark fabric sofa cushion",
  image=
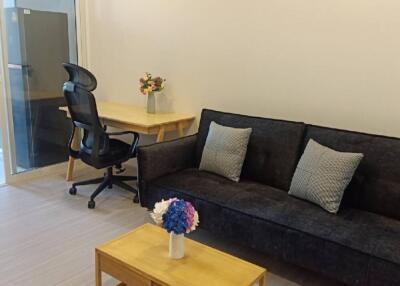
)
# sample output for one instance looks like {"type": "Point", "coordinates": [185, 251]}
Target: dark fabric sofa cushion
{"type": "Point", "coordinates": [383, 273]}
{"type": "Point", "coordinates": [378, 175]}
{"type": "Point", "coordinates": [201, 184]}
{"type": "Point", "coordinates": [358, 230]}
{"type": "Point", "coordinates": [333, 260]}
{"type": "Point", "coordinates": [273, 149]}
{"type": "Point", "coordinates": [347, 247]}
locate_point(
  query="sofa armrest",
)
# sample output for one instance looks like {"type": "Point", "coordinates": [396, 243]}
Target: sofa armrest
{"type": "Point", "coordinates": [164, 158]}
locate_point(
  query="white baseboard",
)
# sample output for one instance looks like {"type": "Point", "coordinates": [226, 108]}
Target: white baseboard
{"type": "Point", "coordinates": [58, 169]}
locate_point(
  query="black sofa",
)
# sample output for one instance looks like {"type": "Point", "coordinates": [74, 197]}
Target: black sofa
{"type": "Point", "coordinates": [358, 246]}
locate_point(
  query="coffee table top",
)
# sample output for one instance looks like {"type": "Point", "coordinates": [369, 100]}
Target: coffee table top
{"type": "Point", "coordinates": [145, 251]}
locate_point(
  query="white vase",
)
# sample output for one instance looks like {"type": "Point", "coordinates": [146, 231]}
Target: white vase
{"type": "Point", "coordinates": [151, 103]}
{"type": "Point", "coordinates": [176, 245]}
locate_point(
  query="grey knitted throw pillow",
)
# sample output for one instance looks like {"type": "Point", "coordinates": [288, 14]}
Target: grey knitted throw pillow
{"type": "Point", "coordinates": [225, 151]}
{"type": "Point", "coordinates": [323, 174]}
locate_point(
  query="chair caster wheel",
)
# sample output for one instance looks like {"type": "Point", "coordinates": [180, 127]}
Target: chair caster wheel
{"type": "Point", "coordinates": [91, 204]}
{"type": "Point", "coordinates": [136, 199]}
{"type": "Point", "coordinates": [72, 191]}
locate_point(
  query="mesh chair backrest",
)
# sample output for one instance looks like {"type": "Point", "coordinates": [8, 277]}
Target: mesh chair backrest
{"type": "Point", "coordinates": [81, 77]}
{"type": "Point", "coordinates": [82, 107]}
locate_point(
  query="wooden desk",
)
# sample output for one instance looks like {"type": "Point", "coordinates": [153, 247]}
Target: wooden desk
{"type": "Point", "coordinates": [140, 258]}
{"type": "Point", "coordinates": [133, 118]}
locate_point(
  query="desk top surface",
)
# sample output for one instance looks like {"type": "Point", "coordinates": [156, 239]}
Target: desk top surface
{"type": "Point", "coordinates": [131, 114]}
{"type": "Point", "coordinates": [145, 251]}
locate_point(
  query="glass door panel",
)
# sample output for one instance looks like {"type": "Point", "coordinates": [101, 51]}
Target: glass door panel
{"type": "Point", "coordinates": [40, 36]}
{"type": "Point", "coordinates": [2, 174]}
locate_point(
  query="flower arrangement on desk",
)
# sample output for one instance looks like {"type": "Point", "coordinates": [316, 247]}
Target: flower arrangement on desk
{"type": "Point", "coordinates": [177, 217]}
{"type": "Point", "coordinates": [148, 86]}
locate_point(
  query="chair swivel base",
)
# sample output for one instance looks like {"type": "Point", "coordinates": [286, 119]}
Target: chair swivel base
{"type": "Point", "coordinates": [106, 182]}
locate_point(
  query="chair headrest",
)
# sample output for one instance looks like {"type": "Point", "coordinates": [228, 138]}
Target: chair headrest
{"type": "Point", "coordinates": [81, 77]}
{"type": "Point", "coordinates": [69, 86]}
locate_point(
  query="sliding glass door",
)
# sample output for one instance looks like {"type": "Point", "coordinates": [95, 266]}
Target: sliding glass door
{"type": "Point", "coordinates": [39, 36]}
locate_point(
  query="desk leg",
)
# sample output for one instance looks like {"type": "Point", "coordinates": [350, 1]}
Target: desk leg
{"type": "Point", "coordinates": [179, 129]}
{"type": "Point", "coordinates": [263, 281]}
{"type": "Point", "coordinates": [98, 271]}
{"type": "Point", "coordinates": [71, 163]}
{"type": "Point", "coordinates": [160, 135]}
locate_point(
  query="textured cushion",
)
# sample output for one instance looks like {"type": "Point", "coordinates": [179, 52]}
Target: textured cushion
{"type": "Point", "coordinates": [323, 174]}
{"type": "Point", "coordinates": [204, 185]}
{"type": "Point", "coordinates": [311, 252]}
{"type": "Point", "coordinates": [356, 229]}
{"type": "Point", "coordinates": [273, 150]}
{"type": "Point", "coordinates": [376, 182]}
{"type": "Point", "coordinates": [225, 151]}
{"type": "Point", "coordinates": [353, 228]}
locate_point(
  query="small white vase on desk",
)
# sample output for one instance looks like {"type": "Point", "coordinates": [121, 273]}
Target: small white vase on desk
{"type": "Point", "coordinates": [151, 103]}
{"type": "Point", "coordinates": [176, 245]}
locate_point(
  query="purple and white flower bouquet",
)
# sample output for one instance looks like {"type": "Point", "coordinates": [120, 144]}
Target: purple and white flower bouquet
{"type": "Point", "coordinates": [177, 217]}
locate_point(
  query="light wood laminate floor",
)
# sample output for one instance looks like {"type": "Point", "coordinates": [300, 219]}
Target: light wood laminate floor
{"type": "Point", "coordinates": [47, 237]}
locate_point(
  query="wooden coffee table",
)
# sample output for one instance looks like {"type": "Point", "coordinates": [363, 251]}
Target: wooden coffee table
{"type": "Point", "coordinates": [140, 258]}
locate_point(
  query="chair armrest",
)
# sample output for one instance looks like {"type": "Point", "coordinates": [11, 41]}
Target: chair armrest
{"type": "Point", "coordinates": [164, 158]}
{"type": "Point", "coordinates": [135, 140]}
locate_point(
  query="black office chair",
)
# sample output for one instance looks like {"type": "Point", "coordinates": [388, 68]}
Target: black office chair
{"type": "Point", "coordinates": [96, 148]}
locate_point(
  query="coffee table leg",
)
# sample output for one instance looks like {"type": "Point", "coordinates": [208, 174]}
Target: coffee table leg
{"type": "Point", "coordinates": [98, 271]}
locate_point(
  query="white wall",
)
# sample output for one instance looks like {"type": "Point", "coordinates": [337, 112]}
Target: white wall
{"type": "Point", "coordinates": [331, 62]}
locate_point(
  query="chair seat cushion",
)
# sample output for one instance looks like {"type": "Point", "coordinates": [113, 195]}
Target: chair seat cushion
{"type": "Point", "coordinates": [118, 152]}
{"type": "Point", "coordinates": [362, 231]}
